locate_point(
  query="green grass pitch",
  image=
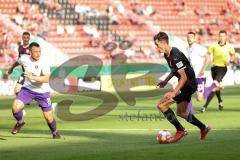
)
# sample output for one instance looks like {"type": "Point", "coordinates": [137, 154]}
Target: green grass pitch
{"type": "Point", "coordinates": [127, 132]}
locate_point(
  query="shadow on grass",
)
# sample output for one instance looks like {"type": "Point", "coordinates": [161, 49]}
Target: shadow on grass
{"type": "Point", "coordinates": [2, 139]}
{"type": "Point", "coordinates": [121, 145]}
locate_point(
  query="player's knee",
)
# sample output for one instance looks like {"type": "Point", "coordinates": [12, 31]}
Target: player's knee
{"type": "Point", "coordinates": [182, 114]}
{"type": "Point", "coordinates": [217, 82]}
{"type": "Point", "coordinates": [17, 106]}
{"type": "Point", "coordinates": [48, 118]}
{"type": "Point", "coordinates": [162, 107]}
{"type": "Point", "coordinates": [200, 98]}
{"type": "Point", "coordinates": [14, 109]}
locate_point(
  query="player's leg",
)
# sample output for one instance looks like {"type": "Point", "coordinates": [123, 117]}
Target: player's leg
{"type": "Point", "coordinates": [44, 101]}
{"type": "Point", "coordinates": [51, 124]}
{"type": "Point", "coordinates": [17, 107]}
{"type": "Point", "coordinates": [164, 107]}
{"type": "Point", "coordinates": [199, 96]}
{"type": "Point", "coordinates": [209, 99]}
{"type": "Point", "coordinates": [18, 87]}
{"type": "Point", "coordinates": [190, 107]}
{"type": "Point", "coordinates": [220, 101]}
{"type": "Point", "coordinates": [170, 116]}
{"type": "Point", "coordinates": [182, 111]}
{"type": "Point", "coordinates": [212, 88]}
{"type": "Point", "coordinates": [209, 94]}
{"type": "Point", "coordinates": [221, 73]}
{"type": "Point", "coordinates": [22, 98]}
{"type": "Point", "coordinates": [200, 88]}
{"type": "Point", "coordinates": [199, 93]}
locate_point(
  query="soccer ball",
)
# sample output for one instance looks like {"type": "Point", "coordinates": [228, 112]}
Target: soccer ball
{"type": "Point", "coordinates": [163, 136]}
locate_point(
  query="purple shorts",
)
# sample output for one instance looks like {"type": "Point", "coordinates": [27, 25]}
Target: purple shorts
{"type": "Point", "coordinates": [201, 84]}
{"type": "Point", "coordinates": [43, 99]}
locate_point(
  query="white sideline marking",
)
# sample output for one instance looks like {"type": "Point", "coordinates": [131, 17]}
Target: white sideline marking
{"type": "Point", "coordinates": [140, 129]}
{"type": "Point", "coordinates": [137, 129]}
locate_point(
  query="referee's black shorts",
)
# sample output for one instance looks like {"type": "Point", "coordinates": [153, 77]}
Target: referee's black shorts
{"type": "Point", "coordinates": [218, 73]}
{"type": "Point", "coordinates": [21, 79]}
{"type": "Point", "coordinates": [185, 93]}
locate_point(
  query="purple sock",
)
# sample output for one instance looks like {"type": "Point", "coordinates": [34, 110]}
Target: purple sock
{"type": "Point", "coordinates": [209, 90]}
{"type": "Point", "coordinates": [18, 116]}
{"type": "Point", "coordinates": [190, 107]}
{"type": "Point", "coordinates": [52, 126]}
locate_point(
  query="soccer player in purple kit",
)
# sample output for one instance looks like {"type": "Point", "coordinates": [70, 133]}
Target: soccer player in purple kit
{"type": "Point", "coordinates": [199, 59]}
{"type": "Point", "coordinates": [35, 87]}
{"type": "Point", "coordinates": [181, 94]}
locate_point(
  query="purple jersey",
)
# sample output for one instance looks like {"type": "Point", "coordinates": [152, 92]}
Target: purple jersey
{"type": "Point", "coordinates": [23, 50]}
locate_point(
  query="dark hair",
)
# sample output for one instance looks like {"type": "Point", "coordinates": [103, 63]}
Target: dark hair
{"type": "Point", "coordinates": [161, 36]}
{"type": "Point", "coordinates": [193, 33]}
{"type": "Point", "coordinates": [26, 33]}
{"type": "Point", "coordinates": [33, 44]}
{"type": "Point", "coordinates": [222, 31]}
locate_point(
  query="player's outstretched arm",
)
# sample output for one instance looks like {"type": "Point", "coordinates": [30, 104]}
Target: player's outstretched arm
{"type": "Point", "coordinates": [233, 58]}
{"type": "Point", "coordinates": [162, 84]}
{"type": "Point", "coordinates": [206, 62]}
{"type": "Point", "coordinates": [9, 71]}
{"type": "Point", "coordinates": [41, 79]}
{"type": "Point", "coordinates": [233, 55]}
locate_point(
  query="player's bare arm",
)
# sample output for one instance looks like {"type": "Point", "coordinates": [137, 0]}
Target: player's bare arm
{"type": "Point", "coordinates": [233, 58]}
{"type": "Point", "coordinates": [206, 62]}
{"type": "Point", "coordinates": [163, 83]}
{"type": "Point", "coordinates": [210, 58]}
{"type": "Point", "coordinates": [41, 79]}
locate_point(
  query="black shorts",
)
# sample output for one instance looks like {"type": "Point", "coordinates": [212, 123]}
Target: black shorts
{"type": "Point", "coordinates": [21, 79]}
{"type": "Point", "coordinates": [185, 94]}
{"type": "Point", "coordinates": [218, 73]}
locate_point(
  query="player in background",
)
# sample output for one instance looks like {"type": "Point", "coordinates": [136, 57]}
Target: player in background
{"type": "Point", "coordinates": [187, 85]}
{"type": "Point", "coordinates": [23, 49]}
{"type": "Point", "coordinates": [199, 59]}
{"type": "Point", "coordinates": [222, 54]}
{"type": "Point", "coordinates": [35, 87]}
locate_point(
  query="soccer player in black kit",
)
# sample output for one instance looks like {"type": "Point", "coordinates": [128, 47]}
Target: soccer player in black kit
{"type": "Point", "coordinates": [187, 85]}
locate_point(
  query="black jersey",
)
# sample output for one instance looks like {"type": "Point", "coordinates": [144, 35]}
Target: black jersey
{"type": "Point", "coordinates": [23, 50]}
{"type": "Point", "coordinates": [176, 61]}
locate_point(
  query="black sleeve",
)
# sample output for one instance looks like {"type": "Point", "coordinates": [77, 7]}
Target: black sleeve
{"type": "Point", "coordinates": [19, 54]}
{"type": "Point", "coordinates": [178, 61]}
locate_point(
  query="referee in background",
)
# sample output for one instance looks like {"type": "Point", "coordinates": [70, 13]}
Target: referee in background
{"type": "Point", "coordinates": [222, 54]}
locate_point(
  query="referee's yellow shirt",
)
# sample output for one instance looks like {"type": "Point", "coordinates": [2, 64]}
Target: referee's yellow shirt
{"type": "Point", "coordinates": [221, 54]}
